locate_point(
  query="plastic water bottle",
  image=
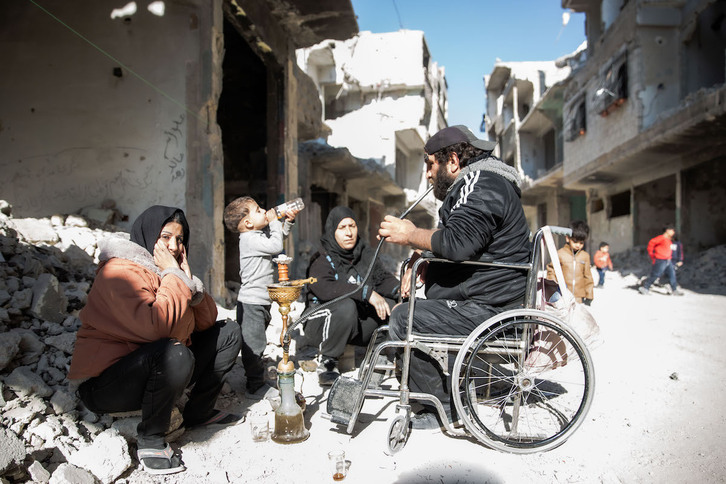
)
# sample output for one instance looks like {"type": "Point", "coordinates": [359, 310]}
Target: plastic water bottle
{"type": "Point", "coordinates": [282, 209]}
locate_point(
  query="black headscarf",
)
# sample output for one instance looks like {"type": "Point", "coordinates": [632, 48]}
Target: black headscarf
{"type": "Point", "coordinates": [354, 261]}
{"type": "Point", "coordinates": [342, 258]}
{"type": "Point", "coordinates": [147, 227]}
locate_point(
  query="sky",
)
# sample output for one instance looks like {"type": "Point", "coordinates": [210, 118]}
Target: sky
{"type": "Point", "coordinates": [467, 36]}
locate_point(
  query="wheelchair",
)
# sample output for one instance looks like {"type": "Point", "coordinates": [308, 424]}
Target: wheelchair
{"type": "Point", "coordinates": [521, 382]}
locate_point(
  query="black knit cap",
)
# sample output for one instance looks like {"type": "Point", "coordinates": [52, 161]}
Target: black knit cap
{"type": "Point", "coordinates": [456, 134]}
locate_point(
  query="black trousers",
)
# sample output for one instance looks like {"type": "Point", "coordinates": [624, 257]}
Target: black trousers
{"type": "Point", "coordinates": [436, 316]}
{"type": "Point", "coordinates": [253, 320]}
{"type": "Point", "coordinates": [153, 377]}
{"type": "Point", "coordinates": [347, 321]}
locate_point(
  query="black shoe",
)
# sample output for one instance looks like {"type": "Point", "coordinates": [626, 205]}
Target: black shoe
{"type": "Point", "coordinates": [328, 371]}
{"type": "Point", "coordinates": [425, 421]}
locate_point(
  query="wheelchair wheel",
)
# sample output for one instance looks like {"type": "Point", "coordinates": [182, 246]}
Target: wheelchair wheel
{"type": "Point", "coordinates": [523, 382]}
{"type": "Point", "coordinates": [398, 433]}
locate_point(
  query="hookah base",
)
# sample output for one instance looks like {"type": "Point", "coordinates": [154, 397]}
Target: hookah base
{"type": "Point", "coordinates": [343, 398]}
{"type": "Point", "coordinates": [290, 429]}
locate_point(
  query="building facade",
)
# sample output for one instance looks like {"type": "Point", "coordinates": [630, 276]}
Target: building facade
{"type": "Point", "coordinates": [644, 120]}
{"type": "Point", "coordinates": [383, 97]}
{"type": "Point", "coordinates": [524, 115]}
{"type": "Point", "coordinates": [180, 103]}
{"type": "Point", "coordinates": [632, 139]}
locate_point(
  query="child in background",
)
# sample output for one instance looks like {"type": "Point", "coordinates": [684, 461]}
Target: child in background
{"type": "Point", "coordinates": [576, 264]}
{"type": "Point", "coordinates": [260, 239]}
{"type": "Point", "coordinates": [602, 262]}
{"type": "Point", "coordinates": [676, 252]}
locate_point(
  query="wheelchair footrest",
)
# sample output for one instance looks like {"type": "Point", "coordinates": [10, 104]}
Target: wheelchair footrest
{"type": "Point", "coordinates": [343, 398]}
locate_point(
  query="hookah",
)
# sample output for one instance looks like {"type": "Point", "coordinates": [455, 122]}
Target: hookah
{"type": "Point", "coordinates": [289, 423]}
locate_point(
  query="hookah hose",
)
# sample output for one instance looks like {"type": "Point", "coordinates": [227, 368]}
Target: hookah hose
{"type": "Point", "coordinates": [307, 313]}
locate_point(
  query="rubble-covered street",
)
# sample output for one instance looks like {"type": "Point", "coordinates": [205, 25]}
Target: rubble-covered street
{"type": "Point", "coordinates": [656, 415]}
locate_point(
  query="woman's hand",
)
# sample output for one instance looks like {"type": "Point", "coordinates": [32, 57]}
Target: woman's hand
{"type": "Point", "coordinates": [184, 262]}
{"type": "Point", "coordinates": [379, 302]}
{"type": "Point", "coordinates": [163, 258]}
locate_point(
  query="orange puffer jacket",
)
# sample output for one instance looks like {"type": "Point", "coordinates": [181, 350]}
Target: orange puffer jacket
{"type": "Point", "coordinates": [132, 303]}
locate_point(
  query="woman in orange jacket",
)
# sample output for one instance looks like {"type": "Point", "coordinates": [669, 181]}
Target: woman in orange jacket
{"type": "Point", "coordinates": [148, 331]}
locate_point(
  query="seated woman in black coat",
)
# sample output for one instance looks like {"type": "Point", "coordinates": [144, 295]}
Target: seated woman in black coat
{"type": "Point", "coordinates": [339, 268]}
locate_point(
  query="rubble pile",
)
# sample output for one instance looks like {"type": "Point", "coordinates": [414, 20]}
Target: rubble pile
{"type": "Point", "coordinates": [703, 270]}
{"type": "Point", "coordinates": [46, 270]}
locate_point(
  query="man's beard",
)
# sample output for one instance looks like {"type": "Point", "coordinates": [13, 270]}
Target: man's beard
{"type": "Point", "coordinates": [442, 182]}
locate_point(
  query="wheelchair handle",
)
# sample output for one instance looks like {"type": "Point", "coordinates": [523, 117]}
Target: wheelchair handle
{"type": "Point", "coordinates": [560, 230]}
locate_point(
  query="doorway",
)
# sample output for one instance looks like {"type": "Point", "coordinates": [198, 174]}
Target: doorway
{"type": "Point", "coordinates": [242, 117]}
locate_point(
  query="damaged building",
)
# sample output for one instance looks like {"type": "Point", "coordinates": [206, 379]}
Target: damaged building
{"type": "Point", "coordinates": [524, 116]}
{"type": "Point", "coordinates": [111, 107]}
{"type": "Point", "coordinates": [642, 127]}
{"type": "Point", "coordinates": [382, 97]}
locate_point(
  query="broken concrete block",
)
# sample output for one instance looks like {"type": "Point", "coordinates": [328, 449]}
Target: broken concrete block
{"type": "Point", "coordinates": [28, 281]}
{"type": "Point", "coordinates": [36, 230]}
{"type": "Point", "coordinates": [65, 342]}
{"type": "Point", "coordinates": [54, 376]}
{"type": "Point", "coordinates": [49, 302]}
{"type": "Point", "coordinates": [63, 402]}
{"type": "Point", "coordinates": [12, 284]}
{"type": "Point", "coordinates": [24, 382]}
{"type": "Point", "coordinates": [12, 449]}
{"type": "Point", "coordinates": [4, 296]}
{"type": "Point", "coordinates": [9, 347]}
{"type": "Point", "coordinates": [70, 474]}
{"type": "Point", "coordinates": [51, 329]}
{"type": "Point", "coordinates": [103, 215]}
{"type": "Point", "coordinates": [76, 221]}
{"type": "Point", "coordinates": [27, 265]}
{"type": "Point", "coordinates": [126, 426]}
{"type": "Point", "coordinates": [47, 429]}
{"type": "Point", "coordinates": [107, 457]}
{"type": "Point", "coordinates": [75, 236]}
{"type": "Point", "coordinates": [31, 347]}
{"type": "Point", "coordinates": [22, 299]}
{"type": "Point", "coordinates": [38, 473]}
{"type": "Point", "coordinates": [23, 410]}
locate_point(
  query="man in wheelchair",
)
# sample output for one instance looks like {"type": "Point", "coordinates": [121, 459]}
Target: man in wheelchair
{"type": "Point", "coordinates": [481, 218]}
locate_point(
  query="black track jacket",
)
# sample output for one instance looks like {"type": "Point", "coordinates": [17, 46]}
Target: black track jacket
{"type": "Point", "coordinates": [481, 217]}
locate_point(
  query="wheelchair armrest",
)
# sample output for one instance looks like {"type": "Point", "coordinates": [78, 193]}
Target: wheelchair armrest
{"type": "Point", "coordinates": [428, 255]}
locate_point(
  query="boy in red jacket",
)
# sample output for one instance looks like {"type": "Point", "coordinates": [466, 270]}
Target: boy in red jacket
{"type": "Point", "coordinates": [602, 262]}
{"type": "Point", "coordinates": [659, 250]}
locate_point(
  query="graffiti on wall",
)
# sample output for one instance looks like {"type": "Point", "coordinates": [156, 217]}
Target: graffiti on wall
{"type": "Point", "coordinates": [174, 149]}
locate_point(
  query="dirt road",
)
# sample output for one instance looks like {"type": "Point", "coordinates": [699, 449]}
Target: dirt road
{"type": "Point", "coordinates": [657, 416]}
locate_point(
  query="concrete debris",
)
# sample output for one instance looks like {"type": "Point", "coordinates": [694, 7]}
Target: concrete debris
{"type": "Point", "coordinates": [70, 474]}
{"type": "Point", "coordinates": [46, 434]}
{"type": "Point", "coordinates": [703, 270]}
{"type": "Point", "coordinates": [106, 458]}
{"type": "Point", "coordinates": [38, 473]}
{"type": "Point", "coordinates": [12, 449]}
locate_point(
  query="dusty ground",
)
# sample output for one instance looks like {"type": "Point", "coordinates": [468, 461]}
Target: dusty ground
{"type": "Point", "coordinates": [657, 416]}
